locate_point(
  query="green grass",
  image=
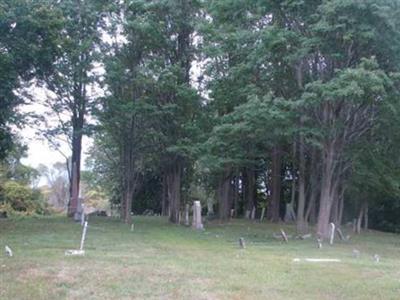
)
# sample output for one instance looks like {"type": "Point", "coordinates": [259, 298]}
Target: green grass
{"type": "Point", "coordinates": [163, 261]}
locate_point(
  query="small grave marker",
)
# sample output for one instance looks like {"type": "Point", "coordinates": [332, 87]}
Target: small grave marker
{"type": "Point", "coordinates": [332, 236]}
{"type": "Point", "coordinates": [242, 243]}
{"type": "Point", "coordinates": [8, 251]}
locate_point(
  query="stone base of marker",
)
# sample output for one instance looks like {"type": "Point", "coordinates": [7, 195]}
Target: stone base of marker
{"type": "Point", "coordinates": [74, 252]}
{"type": "Point", "coordinates": [197, 221]}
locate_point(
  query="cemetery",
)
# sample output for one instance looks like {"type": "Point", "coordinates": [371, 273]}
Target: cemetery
{"type": "Point", "coordinates": [239, 259]}
{"type": "Point", "coordinates": [199, 149]}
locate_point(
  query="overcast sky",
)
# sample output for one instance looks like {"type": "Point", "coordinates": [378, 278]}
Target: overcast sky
{"type": "Point", "coordinates": [40, 151]}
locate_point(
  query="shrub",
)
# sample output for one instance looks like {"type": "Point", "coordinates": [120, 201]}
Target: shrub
{"type": "Point", "coordinates": [22, 199]}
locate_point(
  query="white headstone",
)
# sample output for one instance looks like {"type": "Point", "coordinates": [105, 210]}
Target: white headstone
{"type": "Point", "coordinates": [8, 251]}
{"type": "Point", "coordinates": [197, 221]}
{"type": "Point", "coordinates": [332, 236]}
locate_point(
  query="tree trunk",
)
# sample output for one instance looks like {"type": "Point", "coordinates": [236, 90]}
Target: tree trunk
{"type": "Point", "coordinates": [273, 205]}
{"type": "Point", "coordinates": [335, 210]}
{"type": "Point", "coordinates": [224, 204]}
{"type": "Point", "coordinates": [341, 207]}
{"type": "Point", "coordinates": [174, 191]}
{"type": "Point", "coordinates": [74, 192]}
{"type": "Point", "coordinates": [289, 212]}
{"type": "Point", "coordinates": [127, 204]}
{"type": "Point", "coordinates": [328, 187]}
{"type": "Point", "coordinates": [250, 189]}
{"type": "Point", "coordinates": [301, 223]}
{"type": "Point", "coordinates": [164, 196]}
{"type": "Point", "coordinates": [236, 196]}
{"type": "Point", "coordinates": [76, 168]}
{"type": "Point", "coordinates": [359, 220]}
{"type": "Point", "coordinates": [311, 213]}
{"type": "Point", "coordinates": [366, 216]}
{"type": "Point", "coordinates": [363, 214]}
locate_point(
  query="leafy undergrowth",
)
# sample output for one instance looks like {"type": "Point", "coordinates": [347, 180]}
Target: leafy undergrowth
{"type": "Point", "coordinates": [159, 260]}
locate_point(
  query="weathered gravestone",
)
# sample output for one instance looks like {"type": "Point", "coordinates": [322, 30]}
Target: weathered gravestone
{"type": "Point", "coordinates": [197, 221]}
{"type": "Point", "coordinates": [8, 251]}
{"type": "Point", "coordinates": [332, 233]}
{"type": "Point", "coordinates": [242, 243]}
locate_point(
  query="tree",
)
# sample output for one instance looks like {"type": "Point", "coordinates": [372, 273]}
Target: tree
{"type": "Point", "coordinates": [151, 96]}
{"type": "Point", "coordinates": [58, 183]}
{"type": "Point", "coordinates": [28, 42]}
{"type": "Point", "coordinates": [72, 81]}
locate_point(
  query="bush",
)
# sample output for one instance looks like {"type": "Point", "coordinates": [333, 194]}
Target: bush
{"type": "Point", "coordinates": [22, 199]}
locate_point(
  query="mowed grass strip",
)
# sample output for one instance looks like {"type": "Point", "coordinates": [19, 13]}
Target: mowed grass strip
{"type": "Point", "coordinates": [159, 260]}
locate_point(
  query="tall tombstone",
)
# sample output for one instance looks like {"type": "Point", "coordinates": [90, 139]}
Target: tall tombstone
{"type": "Point", "coordinates": [332, 233]}
{"type": "Point", "coordinates": [197, 222]}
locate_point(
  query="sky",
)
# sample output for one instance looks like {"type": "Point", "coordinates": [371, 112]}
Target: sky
{"type": "Point", "coordinates": [39, 149]}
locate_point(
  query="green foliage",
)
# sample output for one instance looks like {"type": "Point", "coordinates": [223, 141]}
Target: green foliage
{"type": "Point", "coordinates": [20, 199]}
{"type": "Point", "coordinates": [28, 42]}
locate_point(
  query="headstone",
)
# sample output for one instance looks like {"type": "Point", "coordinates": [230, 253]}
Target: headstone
{"type": "Point", "coordinates": [197, 221]}
{"type": "Point", "coordinates": [319, 243]}
{"type": "Point", "coordinates": [247, 215]}
{"type": "Point", "coordinates": [8, 251]}
{"type": "Point", "coordinates": [332, 235]}
{"type": "Point", "coordinates": [187, 208]}
{"type": "Point", "coordinates": [242, 243]}
{"type": "Point", "coordinates": [132, 227]}
{"type": "Point", "coordinates": [356, 253]}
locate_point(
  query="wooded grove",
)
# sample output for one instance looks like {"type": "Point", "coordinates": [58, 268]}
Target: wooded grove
{"type": "Point", "coordinates": [287, 110]}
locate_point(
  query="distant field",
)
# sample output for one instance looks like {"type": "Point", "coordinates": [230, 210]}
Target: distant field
{"type": "Point", "coordinates": [163, 261]}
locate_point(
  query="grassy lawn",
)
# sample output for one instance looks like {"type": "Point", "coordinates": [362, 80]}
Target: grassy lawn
{"type": "Point", "coordinates": [163, 261]}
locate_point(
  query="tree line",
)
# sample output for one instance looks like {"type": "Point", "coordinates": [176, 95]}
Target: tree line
{"type": "Point", "coordinates": [289, 107]}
